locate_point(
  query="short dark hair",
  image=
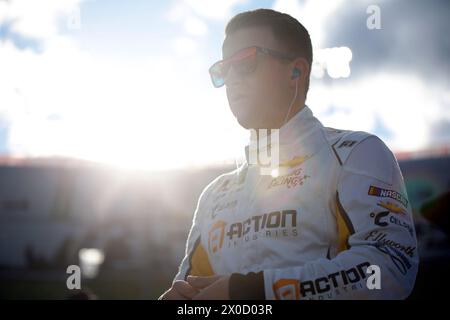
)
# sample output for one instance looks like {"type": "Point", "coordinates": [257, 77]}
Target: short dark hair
{"type": "Point", "coordinates": [292, 35]}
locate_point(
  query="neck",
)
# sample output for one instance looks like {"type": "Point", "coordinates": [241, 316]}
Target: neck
{"type": "Point", "coordinates": [296, 108]}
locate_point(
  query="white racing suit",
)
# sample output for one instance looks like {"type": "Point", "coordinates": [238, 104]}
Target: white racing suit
{"type": "Point", "coordinates": [337, 206]}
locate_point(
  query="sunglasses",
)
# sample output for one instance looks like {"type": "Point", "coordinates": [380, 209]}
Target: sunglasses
{"type": "Point", "coordinates": [243, 62]}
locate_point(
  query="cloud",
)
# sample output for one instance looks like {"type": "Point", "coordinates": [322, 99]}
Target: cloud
{"type": "Point", "coordinates": [404, 67]}
{"type": "Point", "coordinates": [195, 15]}
{"type": "Point", "coordinates": [311, 13]}
{"type": "Point", "coordinates": [150, 112]}
{"type": "Point", "coordinates": [214, 10]}
{"type": "Point", "coordinates": [184, 46]}
{"type": "Point", "coordinates": [441, 131]}
{"type": "Point", "coordinates": [35, 19]}
{"type": "Point", "coordinates": [413, 36]}
{"type": "Point", "coordinates": [399, 85]}
{"type": "Point", "coordinates": [195, 26]}
{"type": "Point", "coordinates": [397, 107]}
{"type": "Point", "coordinates": [143, 113]}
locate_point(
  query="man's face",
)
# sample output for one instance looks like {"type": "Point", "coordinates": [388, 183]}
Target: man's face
{"type": "Point", "coordinates": [259, 99]}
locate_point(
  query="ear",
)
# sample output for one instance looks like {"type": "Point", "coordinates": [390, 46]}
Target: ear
{"type": "Point", "coordinates": [301, 68]}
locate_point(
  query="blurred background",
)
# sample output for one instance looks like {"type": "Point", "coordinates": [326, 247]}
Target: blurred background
{"type": "Point", "coordinates": [110, 129]}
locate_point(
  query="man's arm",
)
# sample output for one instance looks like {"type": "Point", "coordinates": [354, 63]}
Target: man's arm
{"type": "Point", "coordinates": [375, 227]}
{"type": "Point", "coordinates": [195, 261]}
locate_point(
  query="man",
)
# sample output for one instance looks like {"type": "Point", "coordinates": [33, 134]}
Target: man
{"type": "Point", "coordinates": [334, 214]}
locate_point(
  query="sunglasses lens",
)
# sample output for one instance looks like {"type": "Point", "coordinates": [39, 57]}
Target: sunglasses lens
{"type": "Point", "coordinates": [246, 65]}
{"type": "Point", "coordinates": [217, 74]}
{"type": "Point", "coordinates": [244, 62]}
{"type": "Point", "coordinates": [218, 81]}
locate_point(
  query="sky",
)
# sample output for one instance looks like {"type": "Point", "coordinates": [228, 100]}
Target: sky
{"type": "Point", "coordinates": [126, 82]}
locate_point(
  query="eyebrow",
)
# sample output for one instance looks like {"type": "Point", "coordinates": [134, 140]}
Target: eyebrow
{"type": "Point", "coordinates": [235, 51]}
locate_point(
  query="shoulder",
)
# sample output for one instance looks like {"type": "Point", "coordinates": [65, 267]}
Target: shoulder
{"type": "Point", "coordinates": [343, 142]}
{"type": "Point", "coordinates": [223, 183]}
{"type": "Point", "coordinates": [362, 153]}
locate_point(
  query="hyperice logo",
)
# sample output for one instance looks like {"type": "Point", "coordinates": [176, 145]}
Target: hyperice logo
{"type": "Point", "coordinates": [270, 225]}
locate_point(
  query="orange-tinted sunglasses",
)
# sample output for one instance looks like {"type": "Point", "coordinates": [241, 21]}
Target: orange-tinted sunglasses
{"type": "Point", "coordinates": [244, 62]}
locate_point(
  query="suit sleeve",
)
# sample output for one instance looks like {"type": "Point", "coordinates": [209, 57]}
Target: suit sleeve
{"type": "Point", "coordinates": [196, 261]}
{"type": "Point", "coordinates": [375, 228]}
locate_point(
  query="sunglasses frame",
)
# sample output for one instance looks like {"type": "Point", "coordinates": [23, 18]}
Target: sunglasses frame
{"type": "Point", "coordinates": [242, 54]}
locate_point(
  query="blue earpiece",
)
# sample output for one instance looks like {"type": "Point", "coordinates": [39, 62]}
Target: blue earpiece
{"type": "Point", "coordinates": [295, 73]}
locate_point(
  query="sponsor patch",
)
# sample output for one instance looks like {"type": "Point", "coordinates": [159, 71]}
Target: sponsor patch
{"type": "Point", "coordinates": [386, 193]}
